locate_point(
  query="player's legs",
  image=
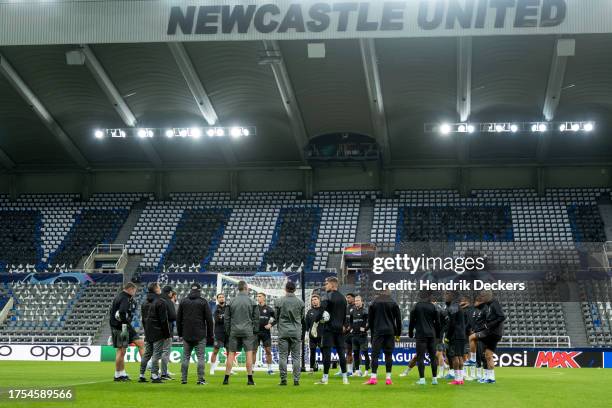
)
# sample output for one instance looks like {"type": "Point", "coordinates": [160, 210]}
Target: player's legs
{"type": "Point", "coordinates": [158, 348]}
{"type": "Point", "coordinates": [356, 349]}
{"type": "Point", "coordinates": [140, 344]}
{"type": "Point", "coordinates": [421, 349]}
{"type": "Point", "coordinates": [388, 346]}
{"type": "Point", "coordinates": [148, 353]}
{"type": "Point", "coordinates": [200, 348]}
{"type": "Point", "coordinates": [312, 346]}
{"type": "Point", "coordinates": [339, 343]}
{"type": "Point", "coordinates": [187, 349]}
{"type": "Point", "coordinates": [165, 359]}
{"type": "Point", "coordinates": [283, 357]}
{"type": "Point", "coordinates": [120, 359]}
{"type": "Point", "coordinates": [431, 350]}
{"type": "Point", "coordinates": [349, 353]}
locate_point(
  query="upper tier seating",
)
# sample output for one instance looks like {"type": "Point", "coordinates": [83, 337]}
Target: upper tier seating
{"type": "Point", "coordinates": [19, 238]}
{"type": "Point", "coordinates": [293, 241]}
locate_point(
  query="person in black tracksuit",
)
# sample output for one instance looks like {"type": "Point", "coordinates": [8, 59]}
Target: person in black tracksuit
{"type": "Point", "coordinates": [333, 318]}
{"type": "Point", "coordinates": [122, 332]}
{"type": "Point", "coordinates": [219, 331]}
{"type": "Point", "coordinates": [194, 323]}
{"type": "Point", "coordinates": [456, 334]}
{"type": "Point", "coordinates": [169, 297]}
{"type": "Point", "coordinates": [425, 325]}
{"type": "Point", "coordinates": [157, 328]}
{"type": "Point", "coordinates": [494, 318]}
{"type": "Point", "coordinates": [479, 326]}
{"type": "Point", "coordinates": [385, 323]}
{"type": "Point", "coordinates": [264, 336]}
{"type": "Point", "coordinates": [312, 316]}
{"type": "Point", "coordinates": [359, 334]}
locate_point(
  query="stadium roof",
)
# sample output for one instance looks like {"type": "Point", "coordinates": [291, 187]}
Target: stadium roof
{"type": "Point", "coordinates": [385, 88]}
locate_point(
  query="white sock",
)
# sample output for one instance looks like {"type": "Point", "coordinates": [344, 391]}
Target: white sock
{"type": "Point", "coordinates": [349, 367]}
{"type": "Point", "coordinates": [117, 374]}
{"type": "Point", "coordinates": [487, 374]}
{"type": "Point", "coordinates": [408, 369]}
{"type": "Point", "coordinates": [472, 356]}
{"type": "Point", "coordinates": [373, 375]}
{"type": "Point", "coordinates": [269, 366]}
{"type": "Point", "coordinates": [458, 375]}
{"type": "Point", "coordinates": [325, 376]}
{"type": "Point", "coordinates": [451, 372]}
{"type": "Point", "coordinates": [388, 376]}
{"type": "Point", "coordinates": [123, 373]}
{"type": "Point", "coordinates": [492, 377]}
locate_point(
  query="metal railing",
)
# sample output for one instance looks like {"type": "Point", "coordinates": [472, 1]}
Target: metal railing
{"type": "Point", "coordinates": [107, 249]}
{"type": "Point", "coordinates": [33, 339]}
{"type": "Point", "coordinates": [536, 341]}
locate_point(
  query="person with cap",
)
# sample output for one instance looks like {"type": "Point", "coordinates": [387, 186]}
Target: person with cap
{"type": "Point", "coordinates": [168, 295]}
{"type": "Point", "coordinates": [194, 324]}
{"type": "Point", "coordinates": [156, 327]}
{"type": "Point", "coordinates": [289, 319]}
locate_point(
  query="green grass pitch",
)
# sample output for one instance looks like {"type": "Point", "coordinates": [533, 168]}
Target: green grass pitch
{"type": "Point", "coordinates": [516, 387]}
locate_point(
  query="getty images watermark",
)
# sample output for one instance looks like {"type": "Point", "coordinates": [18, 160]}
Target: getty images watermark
{"type": "Point", "coordinates": [459, 265]}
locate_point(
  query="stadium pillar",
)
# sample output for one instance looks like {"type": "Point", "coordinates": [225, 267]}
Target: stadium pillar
{"type": "Point", "coordinates": [13, 186]}
{"type": "Point", "coordinates": [386, 182]}
{"type": "Point", "coordinates": [234, 185]}
{"type": "Point", "coordinates": [87, 185]}
{"type": "Point", "coordinates": [540, 184]}
{"type": "Point", "coordinates": [160, 186]}
{"type": "Point", "coordinates": [463, 181]}
{"type": "Point", "coordinates": [308, 184]}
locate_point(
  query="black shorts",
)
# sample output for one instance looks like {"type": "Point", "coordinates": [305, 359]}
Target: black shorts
{"type": "Point", "coordinates": [219, 340]}
{"type": "Point", "coordinates": [490, 341]}
{"type": "Point", "coordinates": [314, 342]}
{"type": "Point", "coordinates": [330, 340]}
{"type": "Point", "coordinates": [456, 348]}
{"type": "Point", "coordinates": [118, 342]}
{"type": "Point", "coordinates": [386, 342]}
{"type": "Point", "coordinates": [360, 342]}
{"type": "Point", "coordinates": [348, 339]}
{"type": "Point", "coordinates": [265, 339]}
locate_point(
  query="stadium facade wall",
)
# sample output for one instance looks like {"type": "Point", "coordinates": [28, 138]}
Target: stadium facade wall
{"type": "Point", "coordinates": [294, 179]}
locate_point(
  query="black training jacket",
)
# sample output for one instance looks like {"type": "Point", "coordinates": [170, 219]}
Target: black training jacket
{"type": "Point", "coordinates": [194, 321]}
{"type": "Point", "coordinates": [384, 317]}
{"type": "Point", "coordinates": [124, 305]}
{"type": "Point", "coordinates": [424, 321]}
{"type": "Point", "coordinates": [456, 322]}
{"type": "Point", "coordinates": [171, 309]}
{"type": "Point", "coordinates": [155, 318]}
{"type": "Point", "coordinates": [359, 321]}
{"type": "Point", "coordinates": [494, 319]}
{"type": "Point", "coordinates": [336, 306]}
{"type": "Point", "coordinates": [265, 313]}
{"type": "Point", "coordinates": [218, 317]}
{"type": "Point", "coordinates": [480, 315]}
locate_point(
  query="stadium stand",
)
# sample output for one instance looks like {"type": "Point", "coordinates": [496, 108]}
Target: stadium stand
{"type": "Point", "coordinates": [596, 302]}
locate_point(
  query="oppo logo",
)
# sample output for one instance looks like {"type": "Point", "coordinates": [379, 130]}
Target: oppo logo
{"type": "Point", "coordinates": [6, 351]}
{"type": "Point", "coordinates": [59, 352]}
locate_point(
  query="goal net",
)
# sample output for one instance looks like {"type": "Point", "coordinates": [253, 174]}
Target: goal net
{"type": "Point", "coordinates": [272, 284]}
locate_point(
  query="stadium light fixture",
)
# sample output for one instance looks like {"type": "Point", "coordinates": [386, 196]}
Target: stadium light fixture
{"type": "Point", "coordinates": [210, 132]}
{"type": "Point", "coordinates": [588, 127]}
{"type": "Point", "coordinates": [562, 127]}
{"type": "Point", "coordinates": [235, 132]}
{"type": "Point", "coordinates": [169, 133]}
{"type": "Point", "coordinates": [542, 127]}
{"type": "Point", "coordinates": [514, 128]}
{"type": "Point", "coordinates": [245, 132]}
{"type": "Point", "coordinates": [142, 133]}
{"type": "Point", "coordinates": [99, 134]}
{"type": "Point", "coordinates": [220, 132]}
{"type": "Point", "coordinates": [575, 127]}
{"type": "Point", "coordinates": [195, 133]}
{"type": "Point", "coordinates": [445, 128]}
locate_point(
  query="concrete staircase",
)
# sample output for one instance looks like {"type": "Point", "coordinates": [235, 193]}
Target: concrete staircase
{"type": "Point", "coordinates": [574, 320]}
{"type": "Point", "coordinates": [130, 223]}
{"type": "Point", "coordinates": [365, 220]}
{"type": "Point", "coordinates": [605, 210]}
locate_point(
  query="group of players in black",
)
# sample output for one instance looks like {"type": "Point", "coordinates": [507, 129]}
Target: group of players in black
{"type": "Point", "coordinates": [455, 334]}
